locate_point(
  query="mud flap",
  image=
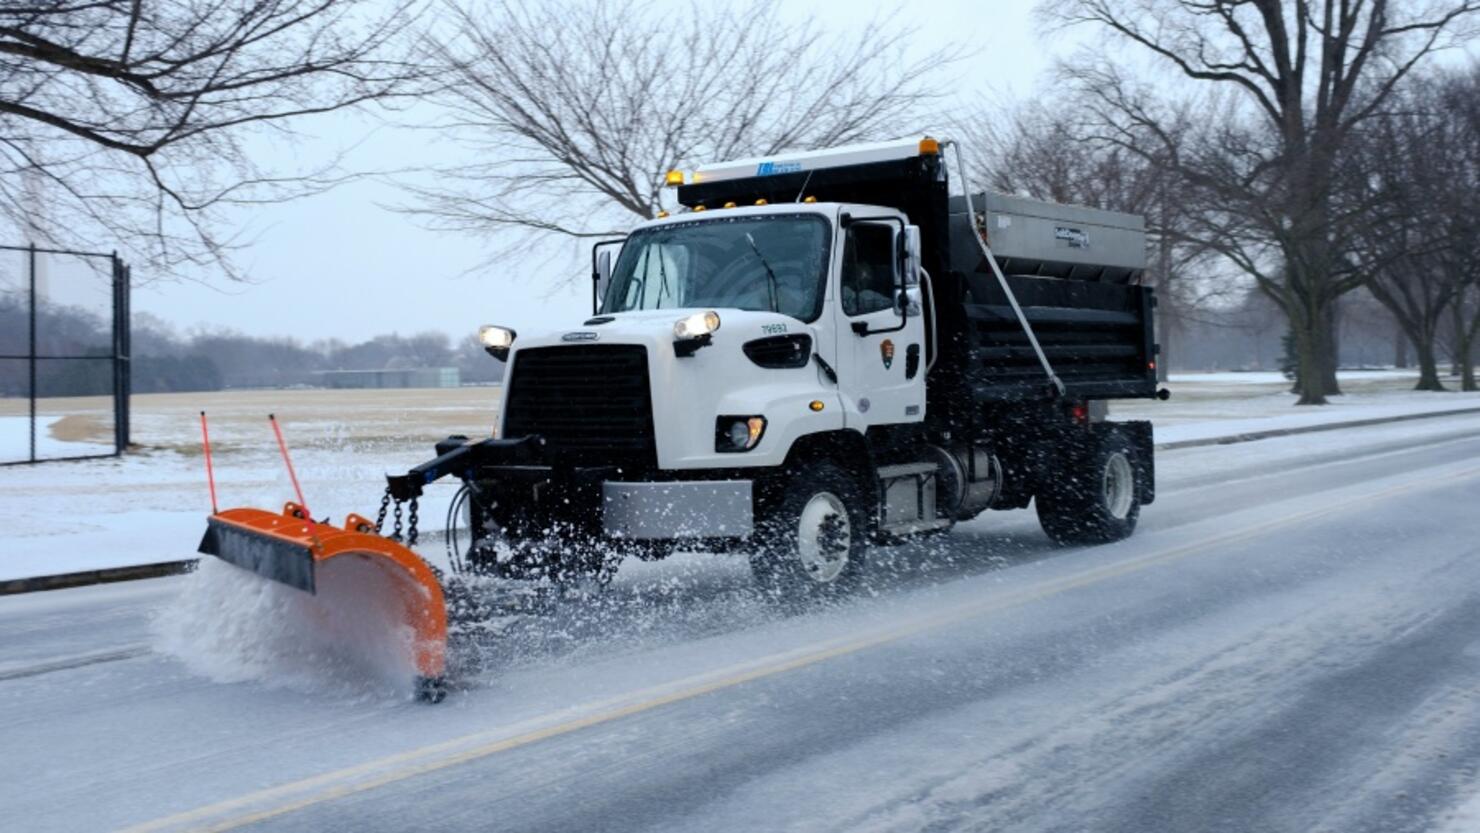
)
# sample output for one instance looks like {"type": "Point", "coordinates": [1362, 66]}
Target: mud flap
{"type": "Point", "coordinates": [287, 547]}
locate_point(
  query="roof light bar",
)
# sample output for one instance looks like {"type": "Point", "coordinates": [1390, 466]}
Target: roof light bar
{"type": "Point", "coordinates": [817, 159]}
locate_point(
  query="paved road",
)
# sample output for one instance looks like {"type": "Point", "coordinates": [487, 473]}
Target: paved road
{"type": "Point", "coordinates": [1291, 642]}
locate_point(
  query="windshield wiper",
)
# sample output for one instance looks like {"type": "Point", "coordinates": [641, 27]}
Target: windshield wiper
{"type": "Point", "coordinates": [771, 289]}
{"type": "Point", "coordinates": [662, 281]}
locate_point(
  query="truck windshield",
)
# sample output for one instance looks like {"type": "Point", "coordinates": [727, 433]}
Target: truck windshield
{"type": "Point", "coordinates": [755, 263]}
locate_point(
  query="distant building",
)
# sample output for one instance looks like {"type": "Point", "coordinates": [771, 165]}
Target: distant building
{"type": "Point", "coordinates": [415, 377]}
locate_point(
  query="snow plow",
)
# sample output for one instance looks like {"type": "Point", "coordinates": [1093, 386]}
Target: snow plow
{"type": "Point", "coordinates": [290, 547]}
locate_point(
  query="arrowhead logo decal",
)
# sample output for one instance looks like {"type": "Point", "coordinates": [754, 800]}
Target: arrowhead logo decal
{"type": "Point", "coordinates": [886, 352]}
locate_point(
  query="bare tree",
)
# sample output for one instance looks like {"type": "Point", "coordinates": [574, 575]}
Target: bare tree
{"type": "Point", "coordinates": [131, 119]}
{"type": "Point", "coordinates": [1287, 83]}
{"type": "Point", "coordinates": [1416, 179]}
{"type": "Point", "coordinates": [579, 109]}
{"type": "Point", "coordinates": [1464, 334]}
{"type": "Point", "coordinates": [1461, 198]}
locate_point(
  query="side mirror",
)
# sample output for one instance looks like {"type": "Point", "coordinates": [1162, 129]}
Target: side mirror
{"type": "Point", "coordinates": [603, 267]}
{"type": "Point", "coordinates": [601, 271]}
{"type": "Point", "coordinates": [910, 255]}
{"type": "Point", "coordinates": [907, 252]}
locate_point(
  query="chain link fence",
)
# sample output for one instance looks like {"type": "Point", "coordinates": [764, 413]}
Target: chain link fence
{"type": "Point", "coordinates": [64, 354]}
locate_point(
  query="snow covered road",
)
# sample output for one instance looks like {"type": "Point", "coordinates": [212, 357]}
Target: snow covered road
{"type": "Point", "coordinates": [1291, 642]}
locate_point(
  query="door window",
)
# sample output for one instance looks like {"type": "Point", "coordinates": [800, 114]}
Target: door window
{"type": "Point", "coordinates": [868, 269]}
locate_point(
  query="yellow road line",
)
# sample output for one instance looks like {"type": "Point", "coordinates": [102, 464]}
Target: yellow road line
{"type": "Point", "coordinates": [431, 758]}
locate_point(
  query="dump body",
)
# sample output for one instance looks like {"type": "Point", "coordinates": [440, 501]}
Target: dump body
{"type": "Point", "coordinates": [1074, 272]}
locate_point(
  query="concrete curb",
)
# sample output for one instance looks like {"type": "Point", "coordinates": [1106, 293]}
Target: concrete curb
{"type": "Point", "coordinates": [89, 577]}
{"type": "Point", "coordinates": [170, 568]}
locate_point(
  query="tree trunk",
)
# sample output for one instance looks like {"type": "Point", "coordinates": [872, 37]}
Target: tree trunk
{"type": "Point", "coordinates": [1331, 350]}
{"type": "Point", "coordinates": [1459, 347]}
{"type": "Point", "coordinates": [1310, 348]}
{"type": "Point", "coordinates": [1464, 344]}
{"type": "Point", "coordinates": [1428, 364]}
{"type": "Point", "coordinates": [1400, 346]}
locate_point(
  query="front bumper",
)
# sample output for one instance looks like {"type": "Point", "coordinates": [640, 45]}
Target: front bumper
{"type": "Point", "coordinates": [518, 491]}
{"type": "Point", "coordinates": [677, 509]}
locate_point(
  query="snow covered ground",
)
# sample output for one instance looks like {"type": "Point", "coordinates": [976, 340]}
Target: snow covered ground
{"type": "Point", "coordinates": [15, 440]}
{"type": "Point", "coordinates": [1208, 405]}
{"type": "Point", "coordinates": [149, 506]}
{"type": "Point", "coordinates": [1271, 377]}
{"type": "Point", "coordinates": [1291, 642]}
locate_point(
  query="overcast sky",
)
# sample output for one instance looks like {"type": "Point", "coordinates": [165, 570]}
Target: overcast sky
{"type": "Point", "coordinates": [338, 265]}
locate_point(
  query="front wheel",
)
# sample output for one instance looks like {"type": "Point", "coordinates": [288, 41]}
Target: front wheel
{"type": "Point", "coordinates": [813, 542]}
{"type": "Point", "coordinates": [1096, 501]}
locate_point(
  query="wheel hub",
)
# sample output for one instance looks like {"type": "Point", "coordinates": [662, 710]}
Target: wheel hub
{"type": "Point", "coordinates": [1118, 486]}
{"type": "Point", "coordinates": [824, 537]}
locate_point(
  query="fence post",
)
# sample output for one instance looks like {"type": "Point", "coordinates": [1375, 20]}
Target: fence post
{"type": "Point", "coordinates": [122, 355]}
{"type": "Point", "coordinates": [118, 427]}
{"type": "Point", "coordinates": [128, 355]}
{"type": "Point", "coordinates": [31, 351]}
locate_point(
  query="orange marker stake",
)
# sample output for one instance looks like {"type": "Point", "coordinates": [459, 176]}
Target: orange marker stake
{"type": "Point", "coordinates": [205, 438]}
{"type": "Point", "coordinates": [292, 475]}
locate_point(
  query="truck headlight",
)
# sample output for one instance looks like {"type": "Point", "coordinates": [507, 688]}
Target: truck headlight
{"type": "Point", "coordinates": [496, 340]}
{"type": "Point", "coordinates": [694, 331]}
{"type": "Point", "coordinates": [738, 433]}
{"type": "Point", "coordinates": [698, 325]}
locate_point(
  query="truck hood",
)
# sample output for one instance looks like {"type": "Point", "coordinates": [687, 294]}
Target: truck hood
{"type": "Point", "coordinates": [653, 327]}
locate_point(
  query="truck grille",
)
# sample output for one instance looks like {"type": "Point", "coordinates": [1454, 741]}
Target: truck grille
{"type": "Point", "coordinates": [589, 402]}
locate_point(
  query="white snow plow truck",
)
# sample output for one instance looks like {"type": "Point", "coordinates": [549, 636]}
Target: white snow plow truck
{"type": "Point", "coordinates": [818, 352]}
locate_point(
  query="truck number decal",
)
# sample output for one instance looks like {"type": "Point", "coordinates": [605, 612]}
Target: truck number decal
{"type": "Point", "coordinates": [773, 168]}
{"type": "Point", "coordinates": [1077, 238]}
{"type": "Point", "coordinates": [773, 329]}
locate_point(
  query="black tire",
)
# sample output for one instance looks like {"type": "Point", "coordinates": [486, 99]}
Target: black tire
{"type": "Point", "coordinates": [830, 560]}
{"type": "Point", "coordinates": [1097, 500]}
{"type": "Point", "coordinates": [430, 689]}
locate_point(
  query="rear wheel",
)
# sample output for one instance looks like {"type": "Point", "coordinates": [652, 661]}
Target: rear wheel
{"type": "Point", "coordinates": [1097, 503]}
{"type": "Point", "coordinates": [813, 542]}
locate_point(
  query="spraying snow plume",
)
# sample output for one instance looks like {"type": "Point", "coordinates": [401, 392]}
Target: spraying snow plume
{"type": "Point", "coordinates": [350, 639]}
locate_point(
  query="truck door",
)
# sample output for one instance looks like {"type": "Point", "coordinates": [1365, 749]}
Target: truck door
{"type": "Point", "coordinates": [882, 372]}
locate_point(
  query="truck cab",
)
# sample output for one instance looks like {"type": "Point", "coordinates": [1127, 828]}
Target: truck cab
{"type": "Point", "coordinates": [770, 299]}
{"type": "Point", "coordinates": [817, 355]}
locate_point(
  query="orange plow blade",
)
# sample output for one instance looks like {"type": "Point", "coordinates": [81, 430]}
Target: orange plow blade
{"type": "Point", "coordinates": [289, 547]}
